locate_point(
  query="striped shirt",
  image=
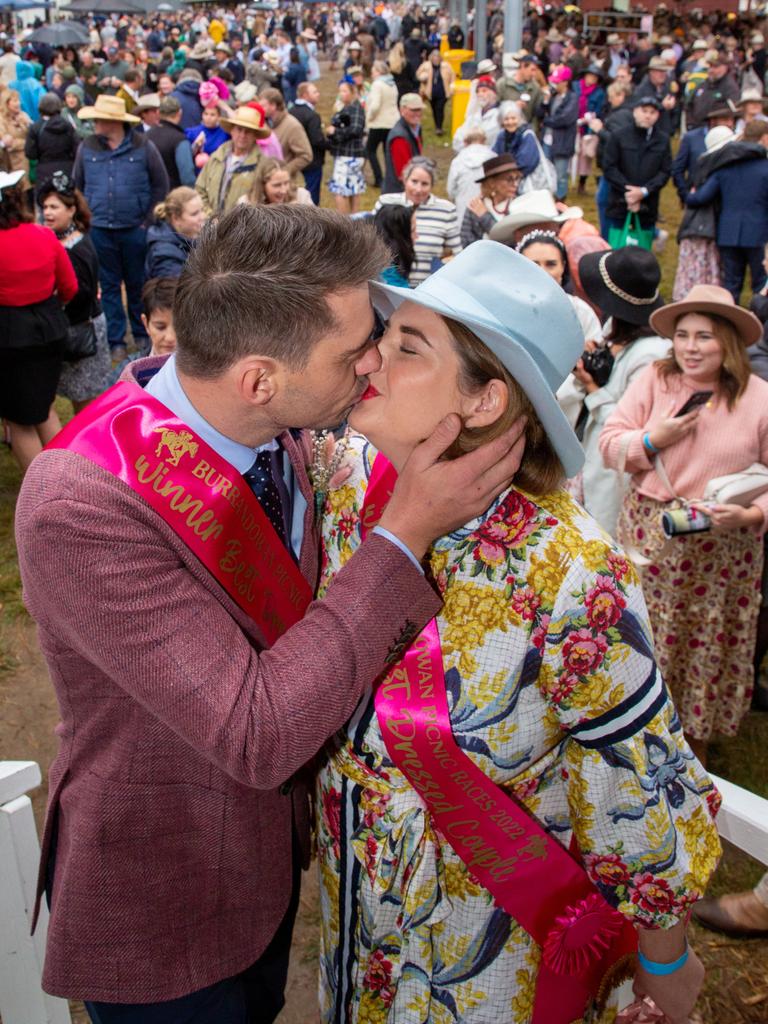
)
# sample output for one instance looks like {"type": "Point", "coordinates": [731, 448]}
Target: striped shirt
{"type": "Point", "coordinates": [437, 229]}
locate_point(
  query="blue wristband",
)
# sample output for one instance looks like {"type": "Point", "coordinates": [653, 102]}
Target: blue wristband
{"type": "Point", "coordinates": [649, 446]}
{"type": "Point", "coordinates": [660, 969]}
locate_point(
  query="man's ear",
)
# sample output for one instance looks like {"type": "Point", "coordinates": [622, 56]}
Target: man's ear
{"type": "Point", "coordinates": [257, 379]}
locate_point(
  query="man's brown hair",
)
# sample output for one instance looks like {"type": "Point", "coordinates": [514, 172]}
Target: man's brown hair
{"type": "Point", "coordinates": [273, 96]}
{"type": "Point", "coordinates": [258, 283]}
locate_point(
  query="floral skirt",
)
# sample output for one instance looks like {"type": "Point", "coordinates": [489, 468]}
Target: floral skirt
{"type": "Point", "coordinates": [703, 596]}
{"type": "Point", "coordinates": [698, 263]}
{"type": "Point", "coordinates": [347, 178]}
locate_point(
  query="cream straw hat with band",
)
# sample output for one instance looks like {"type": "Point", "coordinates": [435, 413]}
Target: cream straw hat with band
{"type": "Point", "coordinates": [107, 108]}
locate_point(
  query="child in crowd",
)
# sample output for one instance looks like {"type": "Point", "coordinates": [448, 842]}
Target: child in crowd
{"type": "Point", "coordinates": [157, 296]}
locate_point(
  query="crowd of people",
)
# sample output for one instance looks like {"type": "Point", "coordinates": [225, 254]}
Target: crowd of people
{"type": "Point", "coordinates": [589, 594]}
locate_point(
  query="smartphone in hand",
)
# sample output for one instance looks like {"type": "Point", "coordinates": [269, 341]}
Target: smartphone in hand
{"type": "Point", "coordinates": [697, 398]}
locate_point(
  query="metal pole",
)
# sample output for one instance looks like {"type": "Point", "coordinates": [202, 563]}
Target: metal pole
{"type": "Point", "coordinates": [463, 19]}
{"type": "Point", "coordinates": [453, 11]}
{"type": "Point", "coordinates": [481, 30]}
{"type": "Point", "coordinates": [513, 25]}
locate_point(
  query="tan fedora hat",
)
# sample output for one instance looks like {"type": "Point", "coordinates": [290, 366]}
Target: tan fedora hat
{"type": "Point", "coordinates": [107, 108]}
{"type": "Point", "coordinates": [708, 298]}
{"type": "Point", "coordinates": [248, 117]}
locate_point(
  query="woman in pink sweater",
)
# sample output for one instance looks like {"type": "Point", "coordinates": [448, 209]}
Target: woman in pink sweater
{"type": "Point", "coordinates": [702, 587]}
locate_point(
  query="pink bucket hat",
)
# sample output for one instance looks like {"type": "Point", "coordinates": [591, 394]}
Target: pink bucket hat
{"type": "Point", "coordinates": [561, 74]}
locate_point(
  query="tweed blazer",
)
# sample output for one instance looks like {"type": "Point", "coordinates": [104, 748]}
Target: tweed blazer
{"type": "Point", "coordinates": [180, 731]}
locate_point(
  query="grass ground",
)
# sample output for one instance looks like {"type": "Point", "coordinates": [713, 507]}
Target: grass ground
{"type": "Point", "coordinates": [736, 989]}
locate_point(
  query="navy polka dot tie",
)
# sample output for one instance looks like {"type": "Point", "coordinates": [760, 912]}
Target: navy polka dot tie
{"type": "Point", "coordinates": [261, 480]}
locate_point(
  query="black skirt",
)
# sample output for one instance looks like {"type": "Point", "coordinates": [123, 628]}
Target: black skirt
{"type": "Point", "coordinates": [31, 340]}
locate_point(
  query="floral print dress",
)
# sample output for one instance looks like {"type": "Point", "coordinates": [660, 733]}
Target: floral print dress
{"type": "Point", "coordinates": [555, 695]}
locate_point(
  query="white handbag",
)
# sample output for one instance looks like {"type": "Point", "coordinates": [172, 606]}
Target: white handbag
{"type": "Point", "coordinates": [738, 488]}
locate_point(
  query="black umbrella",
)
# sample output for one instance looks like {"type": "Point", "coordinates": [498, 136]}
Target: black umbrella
{"type": "Point", "coordinates": [105, 7]}
{"type": "Point", "coordinates": [62, 33]}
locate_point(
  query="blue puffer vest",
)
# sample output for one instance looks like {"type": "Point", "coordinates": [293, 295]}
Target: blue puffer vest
{"type": "Point", "coordinates": [117, 186]}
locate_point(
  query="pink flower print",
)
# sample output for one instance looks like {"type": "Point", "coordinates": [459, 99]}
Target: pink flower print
{"type": "Point", "coordinates": [618, 564]}
{"type": "Point", "coordinates": [564, 687]}
{"type": "Point", "coordinates": [583, 651]}
{"type": "Point", "coordinates": [653, 895]}
{"type": "Point", "coordinates": [539, 635]}
{"type": "Point", "coordinates": [378, 976]}
{"type": "Point", "coordinates": [604, 603]}
{"type": "Point", "coordinates": [525, 602]}
{"type": "Point", "coordinates": [607, 868]}
{"type": "Point", "coordinates": [332, 815]}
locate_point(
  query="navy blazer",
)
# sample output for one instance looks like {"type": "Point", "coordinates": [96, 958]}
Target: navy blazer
{"type": "Point", "coordinates": [684, 165]}
{"type": "Point", "coordinates": [743, 192]}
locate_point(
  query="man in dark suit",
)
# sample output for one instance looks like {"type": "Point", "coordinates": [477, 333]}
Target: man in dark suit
{"type": "Point", "coordinates": [177, 822]}
{"type": "Point", "coordinates": [307, 98]}
{"type": "Point", "coordinates": [636, 165]}
{"type": "Point", "coordinates": [692, 147]}
{"type": "Point", "coordinates": [742, 222]}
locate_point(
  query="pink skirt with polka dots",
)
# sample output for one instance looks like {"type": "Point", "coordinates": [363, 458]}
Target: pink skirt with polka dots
{"type": "Point", "coordinates": [703, 596]}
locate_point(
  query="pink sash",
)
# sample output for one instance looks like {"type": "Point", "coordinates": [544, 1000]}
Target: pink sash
{"type": "Point", "coordinates": [199, 495]}
{"type": "Point", "coordinates": [529, 874]}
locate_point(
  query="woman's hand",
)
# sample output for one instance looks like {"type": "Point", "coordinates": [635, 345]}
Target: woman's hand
{"type": "Point", "coordinates": [330, 130]}
{"type": "Point", "coordinates": [732, 517]}
{"type": "Point", "coordinates": [596, 125]}
{"type": "Point", "coordinates": [477, 206]}
{"type": "Point", "coordinates": [670, 429]}
{"type": "Point", "coordinates": [676, 993]}
{"type": "Point", "coordinates": [584, 377]}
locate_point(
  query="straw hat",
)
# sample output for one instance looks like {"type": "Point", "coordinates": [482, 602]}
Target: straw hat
{"type": "Point", "coordinates": [708, 298]}
{"type": "Point", "coordinates": [201, 51]}
{"type": "Point", "coordinates": [248, 117]}
{"type": "Point", "coordinates": [520, 313]}
{"type": "Point", "coordinates": [752, 96]}
{"type": "Point", "coordinates": [107, 108]}
{"type": "Point", "coordinates": [149, 101]}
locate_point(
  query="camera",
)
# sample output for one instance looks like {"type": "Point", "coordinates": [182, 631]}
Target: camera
{"type": "Point", "coordinates": [598, 365]}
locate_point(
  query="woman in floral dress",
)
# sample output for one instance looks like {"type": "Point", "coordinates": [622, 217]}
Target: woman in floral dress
{"type": "Point", "coordinates": [550, 678]}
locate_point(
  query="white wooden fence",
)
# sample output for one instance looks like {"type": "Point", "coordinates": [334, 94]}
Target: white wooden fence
{"type": "Point", "coordinates": [743, 821]}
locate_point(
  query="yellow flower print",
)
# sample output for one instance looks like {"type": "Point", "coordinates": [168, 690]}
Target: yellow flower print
{"type": "Point", "coordinates": [547, 573]}
{"type": "Point", "coordinates": [595, 554]}
{"type": "Point", "coordinates": [561, 505]}
{"type": "Point", "coordinates": [343, 499]}
{"type": "Point", "coordinates": [522, 1003]}
{"type": "Point", "coordinates": [438, 561]}
{"type": "Point", "coordinates": [458, 883]}
{"type": "Point", "coordinates": [599, 693]}
{"type": "Point", "coordinates": [701, 845]}
{"type": "Point", "coordinates": [471, 611]}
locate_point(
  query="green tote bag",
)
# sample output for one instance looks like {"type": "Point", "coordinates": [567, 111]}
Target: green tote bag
{"type": "Point", "coordinates": [631, 234]}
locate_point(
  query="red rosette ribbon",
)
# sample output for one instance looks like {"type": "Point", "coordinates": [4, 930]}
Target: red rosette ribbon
{"type": "Point", "coordinates": [581, 936]}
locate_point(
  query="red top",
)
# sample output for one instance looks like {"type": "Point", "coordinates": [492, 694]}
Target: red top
{"type": "Point", "coordinates": [34, 263]}
{"type": "Point", "coordinates": [402, 154]}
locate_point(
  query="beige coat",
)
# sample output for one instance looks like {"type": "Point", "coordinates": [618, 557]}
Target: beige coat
{"type": "Point", "coordinates": [17, 127]}
{"type": "Point", "coordinates": [425, 76]}
{"type": "Point", "coordinates": [209, 184]}
{"type": "Point", "coordinates": [381, 105]}
{"type": "Point", "coordinates": [297, 151]}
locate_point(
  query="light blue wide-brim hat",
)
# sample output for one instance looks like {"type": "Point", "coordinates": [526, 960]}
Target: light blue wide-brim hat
{"type": "Point", "coordinates": [521, 314]}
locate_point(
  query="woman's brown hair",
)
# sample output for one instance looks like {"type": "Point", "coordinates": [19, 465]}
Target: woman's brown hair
{"type": "Point", "coordinates": [736, 369]}
{"type": "Point", "coordinates": [172, 207]}
{"type": "Point", "coordinates": [257, 196]}
{"type": "Point", "coordinates": [540, 470]}
{"type": "Point", "coordinates": [73, 200]}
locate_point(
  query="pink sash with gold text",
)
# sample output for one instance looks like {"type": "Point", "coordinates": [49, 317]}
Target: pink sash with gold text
{"type": "Point", "coordinates": [529, 874]}
{"type": "Point", "coordinates": [199, 495]}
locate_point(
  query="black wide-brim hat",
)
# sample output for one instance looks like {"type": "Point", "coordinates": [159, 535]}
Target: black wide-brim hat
{"type": "Point", "coordinates": [624, 282]}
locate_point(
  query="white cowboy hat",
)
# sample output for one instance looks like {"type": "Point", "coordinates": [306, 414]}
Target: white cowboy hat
{"type": "Point", "coordinates": [522, 315]}
{"type": "Point", "coordinates": [107, 108]}
{"type": "Point", "coordinates": [9, 180]}
{"type": "Point", "coordinates": [536, 207]}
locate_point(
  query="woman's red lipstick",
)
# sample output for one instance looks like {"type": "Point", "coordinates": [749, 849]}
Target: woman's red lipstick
{"type": "Point", "coordinates": [370, 392]}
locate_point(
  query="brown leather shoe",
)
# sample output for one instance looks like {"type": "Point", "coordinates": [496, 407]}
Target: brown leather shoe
{"type": "Point", "coordinates": [739, 914]}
